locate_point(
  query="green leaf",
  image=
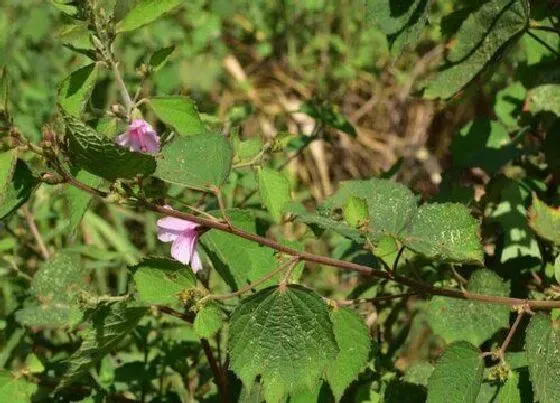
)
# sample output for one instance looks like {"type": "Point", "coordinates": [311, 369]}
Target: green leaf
{"type": "Point", "coordinates": [75, 90]}
{"type": "Point", "coordinates": [178, 112]}
{"type": "Point", "coordinates": [8, 161]}
{"type": "Point", "coordinates": [457, 375]}
{"type": "Point", "coordinates": [352, 337]}
{"type": "Point", "coordinates": [545, 220]}
{"type": "Point", "coordinates": [402, 21]}
{"type": "Point", "coordinates": [483, 35]}
{"type": "Point", "coordinates": [198, 162]}
{"type": "Point", "coordinates": [78, 200]}
{"type": "Point", "coordinates": [509, 103]}
{"type": "Point", "coordinates": [445, 231]}
{"type": "Point", "coordinates": [33, 364]}
{"type": "Point", "coordinates": [356, 212]}
{"type": "Point", "coordinates": [475, 322]}
{"type": "Point", "coordinates": [161, 280]}
{"type": "Point", "coordinates": [237, 260]}
{"type": "Point", "coordinates": [110, 325]}
{"type": "Point", "coordinates": [208, 321]}
{"type": "Point", "coordinates": [483, 143]}
{"type": "Point", "coordinates": [286, 337]}
{"type": "Point", "coordinates": [274, 190]}
{"type": "Point", "coordinates": [100, 156]}
{"type": "Point", "coordinates": [60, 279]}
{"type": "Point", "coordinates": [329, 115]}
{"type": "Point", "coordinates": [50, 315]}
{"type": "Point", "coordinates": [542, 342]}
{"type": "Point", "coordinates": [544, 98]}
{"type": "Point", "coordinates": [160, 57]}
{"type": "Point", "coordinates": [14, 389]}
{"type": "Point", "coordinates": [509, 392]}
{"type": "Point", "coordinates": [145, 12]}
{"type": "Point", "coordinates": [18, 189]}
{"type": "Point", "coordinates": [391, 205]}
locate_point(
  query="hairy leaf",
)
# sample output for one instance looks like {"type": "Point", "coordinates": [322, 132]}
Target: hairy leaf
{"type": "Point", "coordinates": [545, 220]}
{"type": "Point", "coordinates": [479, 40]}
{"type": "Point", "coordinates": [285, 336]}
{"type": "Point", "coordinates": [475, 322]}
{"type": "Point", "coordinates": [75, 90]}
{"type": "Point", "coordinates": [50, 315]}
{"type": "Point", "coordinates": [18, 189]}
{"type": "Point", "coordinates": [178, 112]}
{"type": "Point", "coordinates": [208, 321]}
{"type": "Point", "coordinates": [161, 280]}
{"type": "Point", "coordinates": [274, 190]}
{"type": "Point", "coordinates": [199, 162]}
{"type": "Point", "coordinates": [544, 98]}
{"type": "Point", "coordinates": [542, 343]}
{"type": "Point", "coordinates": [145, 12]}
{"type": "Point", "coordinates": [353, 341]}
{"type": "Point", "coordinates": [457, 375]}
{"type": "Point", "coordinates": [100, 156]}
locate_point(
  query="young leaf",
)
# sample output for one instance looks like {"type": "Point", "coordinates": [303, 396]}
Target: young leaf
{"type": "Point", "coordinates": [475, 322]}
{"type": "Point", "coordinates": [100, 156]}
{"type": "Point", "coordinates": [75, 90]}
{"type": "Point", "coordinates": [354, 344]}
{"type": "Point", "coordinates": [159, 58]}
{"type": "Point", "coordinates": [178, 112]}
{"type": "Point", "coordinates": [285, 336]}
{"type": "Point", "coordinates": [545, 220]}
{"type": "Point", "coordinates": [198, 162]}
{"type": "Point", "coordinates": [274, 190]}
{"type": "Point", "coordinates": [542, 343]}
{"type": "Point", "coordinates": [145, 12]}
{"type": "Point", "coordinates": [16, 389]}
{"type": "Point", "coordinates": [457, 375]}
{"type": "Point", "coordinates": [19, 187]}
{"type": "Point", "coordinates": [483, 35]}
{"type": "Point", "coordinates": [402, 21]}
{"type": "Point", "coordinates": [161, 280]}
{"type": "Point", "coordinates": [110, 325]}
{"type": "Point", "coordinates": [445, 231]}
{"type": "Point", "coordinates": [208, 321]}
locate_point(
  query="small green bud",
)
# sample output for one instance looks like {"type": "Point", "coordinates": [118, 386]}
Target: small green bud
{"type": "Point", "coordinates": [355, 212]}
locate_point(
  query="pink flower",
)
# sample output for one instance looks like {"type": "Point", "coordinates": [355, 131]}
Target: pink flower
{"type": "Point", "coordinates": [184, 235]}
{"type": "Point", "coordinates": [140, 137]}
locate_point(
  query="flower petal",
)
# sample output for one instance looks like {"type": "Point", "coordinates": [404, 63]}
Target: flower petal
{"type": "Point", "coordinates": [167, 235]}
{"type": "Point", "coordinates": [196, 264]}
{"type": "Point", "coordinates": [123, 140]}
{"type": "Point", "coordinates": [176, 224]}
{"type": "Point", "coordinates": [183, 249]}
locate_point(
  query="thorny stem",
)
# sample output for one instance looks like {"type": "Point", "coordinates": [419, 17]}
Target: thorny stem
{"type": "Point", "coordinates": [419, 286]}
{"type": "Point", "coordinates": [35, 232]}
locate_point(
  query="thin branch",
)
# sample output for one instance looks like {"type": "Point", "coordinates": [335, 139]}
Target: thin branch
{"type": "Point", "coordinates": [35, 232]}
{"type": "Point", "coordinates": [544, 28]}
{"type": "Point", "coordinates": [128, 104]}
{"type": "Point", "coordinates": [501, 352]}
{"type": "Point", "coordinates": [418, 286]}
{"type": "Point", "coordinates": [373, 300]}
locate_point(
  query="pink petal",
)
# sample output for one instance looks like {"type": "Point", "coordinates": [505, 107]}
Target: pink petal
{"type": "Point", "coordinates": [123, 140]}
{"type": "Point", "coordinates": [183, 249]}
{"type": "Point", "coordinates": [196, 264]}
{"type": "Point", "coordinates": [176, 224]}
{"type": "Point", "coordinates": [151, 142]}
{"type": "Point", "coordinates": [166, 235]}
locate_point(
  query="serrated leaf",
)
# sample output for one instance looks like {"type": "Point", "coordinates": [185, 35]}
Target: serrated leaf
{"type": "Point", "coordinates": [78, 200]}
{"type": "Point", "coordinates": [208, 321]}
{"type": "Point", "coordinates": [160, 57]}
{"type": "Point", "coordinates": [446, 232]}
{"type": "Point", "coordinates": [100, 156]}
{"type": "Point", "coordinates": [178, 112]}
{"type": "Point", "coordinates": [50, 315]}
{"type": "Point", "coordinates": [75, 90]}
{"type": "Point", "coordinates": [110, 325]}
{"type": "Point", "coordinates": [145, 12]}
{"type": "Point", "coordinates": [16, 390]}
{"type": "Point", "coordinates": [472, 321]}
{"type": "Point", "coordinates": [391, 205]}
{"type": "Point", "coordinates": [483, 143]}
{"type": "Point", "coordinates": [274, 190]}
{"type": "Point", "coordinates": [18, 188]}
{"type": "Point", "coordinates": [198, 162]}
{"type": "Point", "coordinates": [238, 261]}
{"type": "Point", "coordinates": [60, 279]}
{"type": "Point", "coordinates": [542, 343]}
{"type": "Point", "coordinates": [544, 98]}
{"type": "Point", "coordinates": [352, 337]}
{"type": "Point", "coordinates": [161, 280]}
{"type": "Point", "coordinates": [457, 375]}
{"type": "Point", "coordinates": [545, 220]}
{"type": "Point", "coordinates": [402, 21]}
{"type": "Point", "coordinates": [480, 39]}
{"type": "Point", "coordinates": [286, 337]}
